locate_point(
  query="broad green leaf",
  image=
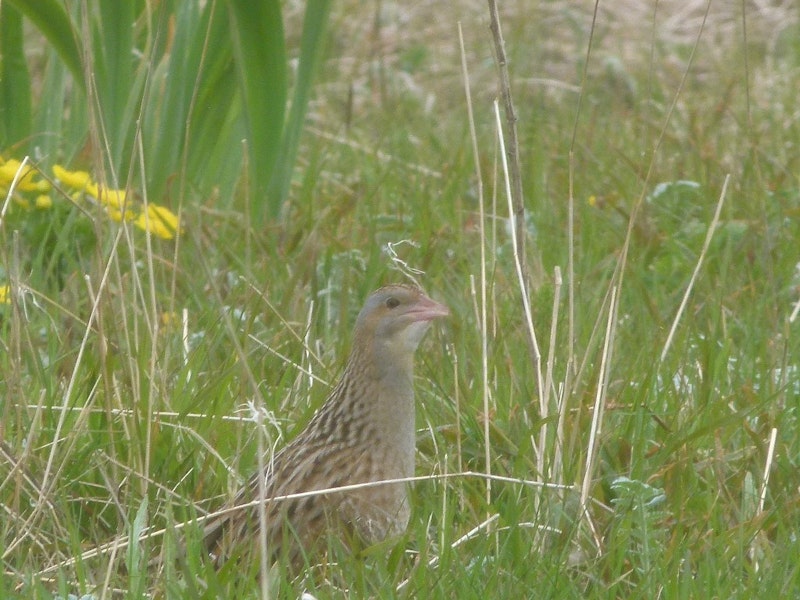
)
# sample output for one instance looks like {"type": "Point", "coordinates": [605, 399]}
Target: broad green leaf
{"type": "Point", "coordinates": [15, 83]}
{"type": "Point", "coordinates": [119, 77]}
{"type": "Point", "coordinates": [49, 120]}
{"type": "Point", "coordinates": [137, 569]}
{"type": "Point", "coordinates": [53, 21]}
{"type": "Point", "coordinates": [196, 85]}
{"type": "Point", "coordinates": [259, 48]}
{"type": "Point", "coordinates": [311, 47]}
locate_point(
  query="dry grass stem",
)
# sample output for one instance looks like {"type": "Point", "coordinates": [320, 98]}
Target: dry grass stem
{"type": "Point", "coordinates": [482, 314]}
{"type": "Point", "coordinates": [709, 234]}
{"type": "Point", "coordinates": [795, 311]}
{"type": "Point", "coordinates": [457, 402]}
{"type": "Point", "coordinates": [480, 309]}
{"type": "Point", "coordinates": [571, 365]}
{"type": "Point", "coordinates": [18, 175]}
{"type": "Point", "coordinates": [307, 353]}
{"type": "Point", "coordinates": [598, 412]}
{"type": "Point", "coordinates": [549, 386]}
{"type": "Point", "coordinates": [762, 496]}
{"type": "Point", "coordinates": [511, 149]}
{"type": "Point", "coordinates": [536, 355]}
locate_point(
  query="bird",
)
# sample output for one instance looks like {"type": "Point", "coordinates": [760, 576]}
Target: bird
{"type": "Point", "coordinates": [364, 432]}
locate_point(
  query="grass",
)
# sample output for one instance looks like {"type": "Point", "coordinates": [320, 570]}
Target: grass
{"type": "Point", "coordinates": [138, 376]}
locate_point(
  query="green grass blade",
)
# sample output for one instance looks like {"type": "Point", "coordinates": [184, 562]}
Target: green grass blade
{"type": "Point", "coordinates": [175, 74]}
{"type": "Point", "coordinates": [187, 119]}
{"type": "Point", "coordinates": [260, 53]}
{"type": "Point", "coordinates": [119, 85]}
{"type": "Point", "coordinates": [15, 84]}
{"type": "Point", "coordinates": [311, 46]}
{"type": "Point", "coordinates": [49, 115]}
{"type": "Point", "coordinates": [52, 21]}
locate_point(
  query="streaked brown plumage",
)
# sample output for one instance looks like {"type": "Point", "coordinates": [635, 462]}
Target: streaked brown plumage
{"type": "Point", "coordinates": [364, 432]}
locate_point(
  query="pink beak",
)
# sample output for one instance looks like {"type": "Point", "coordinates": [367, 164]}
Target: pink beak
{"type": "Point", "coordinates": [426, 309]}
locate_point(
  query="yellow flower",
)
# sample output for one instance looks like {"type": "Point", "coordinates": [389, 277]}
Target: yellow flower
{"type": "Point", "coordinates": [5, 294]}
{"type": "Point", "coordinates": [79, 180]}
{"type": "Point", "coordinates": [169, 218]}
{"type": "Point", "coordinates": [154, 226]}
{"type": "Point", "coordinates": [159, 221]}
{"type": "Point", "coordinates": [111, 198]}
{"type": "Point", "coordinates": [8, 170]}
{"type": "Point", "coordinates": [116, 215]}
{"type": "Point", "coordinates": [43, 201]}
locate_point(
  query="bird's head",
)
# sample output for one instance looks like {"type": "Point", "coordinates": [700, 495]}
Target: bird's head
{"type": "Point", "coordinates": [395, 318]}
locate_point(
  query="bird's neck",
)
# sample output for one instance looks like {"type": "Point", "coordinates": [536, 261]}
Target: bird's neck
{"type": "Point", "coordinates": [389, 374]}
{"type": "Point", "coordinates": [388, 366]}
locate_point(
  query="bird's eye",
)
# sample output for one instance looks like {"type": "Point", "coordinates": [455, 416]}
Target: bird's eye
{"type": "Point", "coordinates": [392, 302]}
